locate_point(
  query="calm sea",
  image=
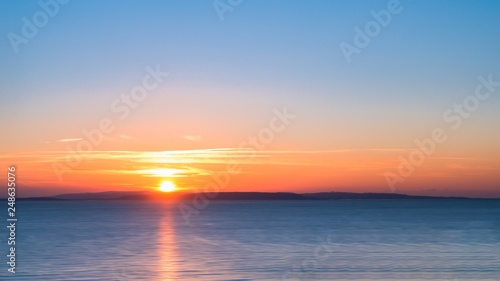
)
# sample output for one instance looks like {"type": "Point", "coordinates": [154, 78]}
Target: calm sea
{"type": "Point", "coordinates": [257, 240]}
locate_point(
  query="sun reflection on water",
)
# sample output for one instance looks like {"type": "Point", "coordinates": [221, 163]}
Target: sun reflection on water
{"type": "Point", "coordinates": [167, 251]}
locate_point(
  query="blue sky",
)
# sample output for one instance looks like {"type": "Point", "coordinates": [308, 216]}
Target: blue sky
{"type": "Point", "coordinates": [264, 52]}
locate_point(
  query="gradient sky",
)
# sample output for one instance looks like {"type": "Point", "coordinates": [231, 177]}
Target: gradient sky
{"type": "Point", "coordinates": [353, 120]}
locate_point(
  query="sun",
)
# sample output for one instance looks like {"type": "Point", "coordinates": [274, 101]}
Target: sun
{"type": "Point", "coordinates": [167, 186]}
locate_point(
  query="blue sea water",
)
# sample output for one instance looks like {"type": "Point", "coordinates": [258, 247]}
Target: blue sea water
{"type": "Point", "coordinates": [257, 240]}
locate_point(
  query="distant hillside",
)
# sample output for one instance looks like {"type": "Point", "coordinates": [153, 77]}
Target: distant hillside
{"type": "Point", "coordinates": [366, 196]}
{"type": "Point", "coordinates": [255, 196]}
{"type": "Point", "coordinates": [151, 195]}
{"type": "Point", "coordinates": [107, 195]}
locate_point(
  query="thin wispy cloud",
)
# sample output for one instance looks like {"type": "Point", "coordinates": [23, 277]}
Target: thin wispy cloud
{"type": "Point", "coordinates": [192, 137]}
{"type": "Point", "coordinates": [69, 140]}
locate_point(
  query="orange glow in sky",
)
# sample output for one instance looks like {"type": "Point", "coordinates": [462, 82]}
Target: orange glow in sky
{"type": "Point", "coordinates": [237, 169]}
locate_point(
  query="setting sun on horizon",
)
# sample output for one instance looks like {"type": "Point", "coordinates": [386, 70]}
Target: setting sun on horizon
{"type": "Point", "coordinates": [167, 186]}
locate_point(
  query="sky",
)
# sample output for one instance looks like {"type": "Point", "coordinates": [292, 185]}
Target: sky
{"type": "Point", "coordinates": [258, 95]}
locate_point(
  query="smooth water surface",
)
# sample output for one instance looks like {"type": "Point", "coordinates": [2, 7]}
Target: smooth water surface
{"type": "Point", "coordinates": [258, 240]}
